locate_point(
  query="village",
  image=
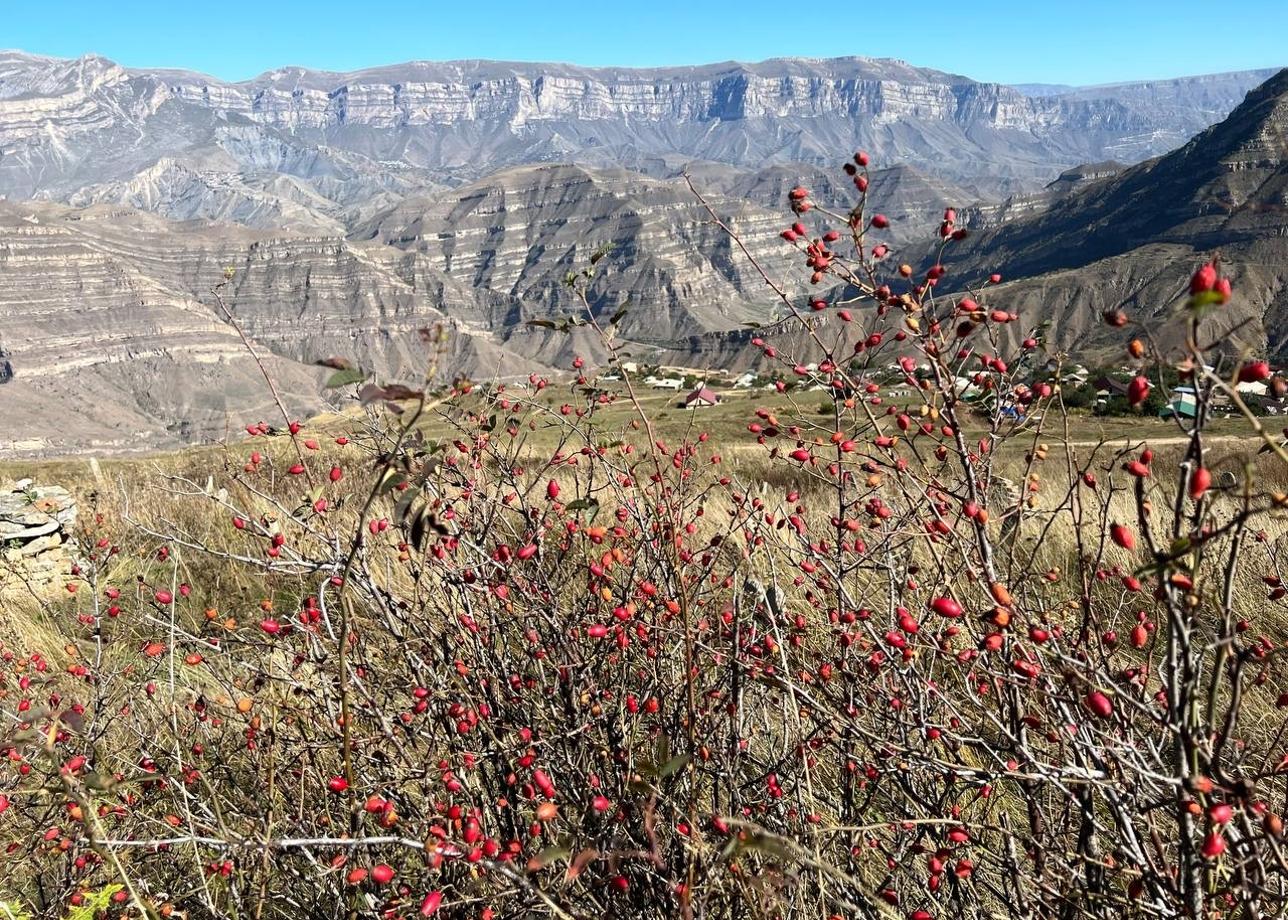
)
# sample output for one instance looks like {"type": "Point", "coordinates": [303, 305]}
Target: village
{"type": "Point", "coordinates": [1100, 392]}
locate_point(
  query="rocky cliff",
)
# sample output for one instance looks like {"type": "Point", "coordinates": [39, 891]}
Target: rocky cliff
{"type": "Point", "coordinates": [735, 113]}
{"type": "Point", "coordinates": [295, 147]}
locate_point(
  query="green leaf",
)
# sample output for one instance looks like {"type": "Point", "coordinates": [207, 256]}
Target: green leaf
{"type": "Point", "coordinates": [94, 903]}
{"type": "Point", "coordinates": [583, 504]}
{"type": "Point", "coordinates": [346, 377]}
{"type": "Point", "coordinates": [621, 312]}
{"type": "Point", "coordinates": [1205, 299]}
{"type": "Point", "coordinates": [547, 857]}
{"type": "Point", "coordinates": [403, 508]}
{"type": "Point", "coordinates": [420, 528]}
{"type": "Point", "coordinates": [392, 480]}
{"type": "Point", "coordinates": [765, 844]}
{"type": "Point", "coordinates": [98, 781]}
{"type": "Point", "coordinates": [672, 766]}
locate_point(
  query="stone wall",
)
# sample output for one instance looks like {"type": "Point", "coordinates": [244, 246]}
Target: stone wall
{"type": "Point", "coordinates": [36, 543]}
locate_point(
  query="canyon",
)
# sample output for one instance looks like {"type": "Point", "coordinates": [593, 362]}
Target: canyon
{"type": "Point", "coordinates": [151, 218]}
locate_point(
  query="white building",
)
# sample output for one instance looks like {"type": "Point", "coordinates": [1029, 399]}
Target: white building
{"type": "Point", "coordinates": [664, 383]}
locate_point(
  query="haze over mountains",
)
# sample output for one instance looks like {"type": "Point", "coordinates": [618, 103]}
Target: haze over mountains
{"type": "Point", "coordinates": [357, 209]}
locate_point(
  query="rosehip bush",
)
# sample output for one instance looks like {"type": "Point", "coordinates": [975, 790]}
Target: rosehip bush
{"type": "Point", "coordinates": [526, 651]}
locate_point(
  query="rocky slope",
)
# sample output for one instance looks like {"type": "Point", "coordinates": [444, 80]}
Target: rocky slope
{"type": "Point", "coordinates": [114, 341]}
{"type": "Point", "coordinates": [1131, 239]}
{"type": "Point", "coordinates": [913, 200]}
{"type": "Point", "coordinates": [517, 234]}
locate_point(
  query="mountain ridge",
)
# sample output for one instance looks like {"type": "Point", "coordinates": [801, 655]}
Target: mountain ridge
{"type": "Point", "coordinates": [1129, 241]}
{"type": "Point", "coordinates": [1129, 208]}
{"type": "Point", "coordinates": [81, 129]}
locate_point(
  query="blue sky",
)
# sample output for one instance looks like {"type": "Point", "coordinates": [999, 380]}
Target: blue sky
{"type": "Point", "coordinates": [1078, 41]}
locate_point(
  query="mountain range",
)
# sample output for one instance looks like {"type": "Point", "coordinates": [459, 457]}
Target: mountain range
{"type": "Point", "coordinates": [353, 211]}
{"type": "Point", "coordinates": [297, 146]}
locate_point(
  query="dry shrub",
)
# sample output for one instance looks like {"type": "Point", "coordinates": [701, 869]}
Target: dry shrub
{"type": "Point", "coordinates": [490, 656]}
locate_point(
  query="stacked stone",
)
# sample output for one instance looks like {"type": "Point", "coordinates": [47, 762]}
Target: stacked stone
{"type": "Point", "coordinates": [36, 548]}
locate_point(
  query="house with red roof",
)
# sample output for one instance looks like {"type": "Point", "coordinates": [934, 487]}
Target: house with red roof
{"type": "Point", "coordinates": [701, 398]}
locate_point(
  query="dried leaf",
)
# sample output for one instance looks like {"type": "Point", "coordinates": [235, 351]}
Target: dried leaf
{"type": "Point", "coordinates": [580, 862]}
{"type": "Point", "coordinates": [398, 391]}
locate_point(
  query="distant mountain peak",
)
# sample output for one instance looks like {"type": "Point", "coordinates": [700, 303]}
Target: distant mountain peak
{"type": "Point", "coordinates": [459, 120]}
